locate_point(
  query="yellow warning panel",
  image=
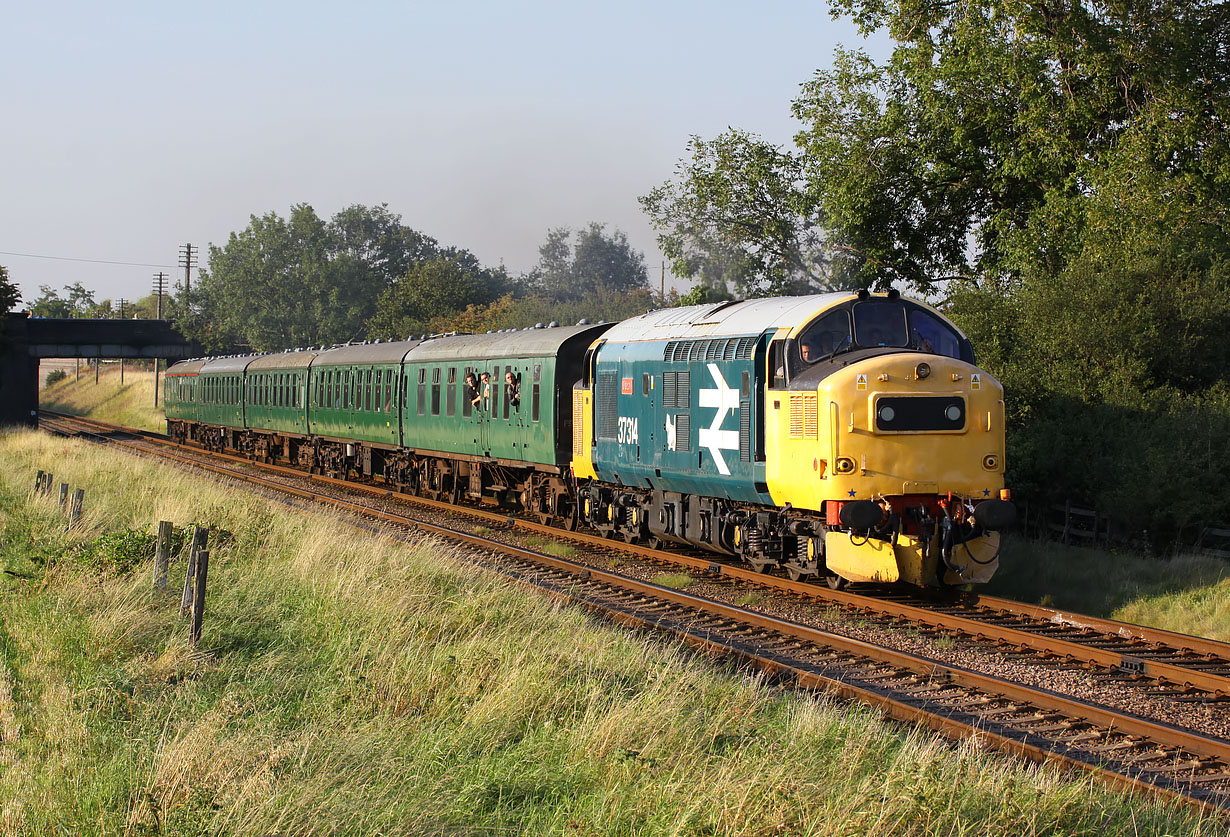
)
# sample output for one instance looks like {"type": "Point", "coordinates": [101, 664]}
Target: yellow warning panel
{"type": "Point", "coordinates": [975, 381]}
{"type": "Point", "coordinates": [861, 382]}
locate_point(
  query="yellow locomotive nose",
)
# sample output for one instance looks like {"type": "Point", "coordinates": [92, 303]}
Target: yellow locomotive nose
{"type": "Point", "coordinates": [898, 434]}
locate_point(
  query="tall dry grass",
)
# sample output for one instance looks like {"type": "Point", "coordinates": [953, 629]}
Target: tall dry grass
{"type": "Point", "coordinates": [130, 404]}
{"type": "Point", "coordinates": [352, 685]}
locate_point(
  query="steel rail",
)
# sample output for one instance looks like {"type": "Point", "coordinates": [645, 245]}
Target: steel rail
{"type": "Point", "coordinates": [933, 672]}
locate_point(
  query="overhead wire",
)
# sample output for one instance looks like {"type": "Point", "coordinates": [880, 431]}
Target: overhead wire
{"type": "Point", "coordinates": [91, 261]}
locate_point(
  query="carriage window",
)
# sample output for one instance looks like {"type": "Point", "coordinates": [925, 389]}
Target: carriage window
{"type": "Point", "coordinates": [534, 403]}
{"type": "Point", "coordinates": [880, 324]}
{"type": "Point", "coordinates": [422, 405]}
{"type": "Point", "coordinates": [388, 389]}
{"type": "Point", "coordinates": [450, 397]}
{"type": "Point", "coordinates": [435, 391]}
{"type": "Point", "coordinates": [468, 392]}
{"type": "Point", "coordinates": [367, 389]}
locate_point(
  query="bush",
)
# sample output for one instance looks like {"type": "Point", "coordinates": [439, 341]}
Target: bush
{"type": "Point", "coordinates": [55, 376]}
{"type": "Point", "coordinates": [117, 552]}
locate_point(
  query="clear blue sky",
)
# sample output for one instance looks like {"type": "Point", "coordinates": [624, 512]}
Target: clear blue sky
{"type": "Point", "coordinates": [128, 129]}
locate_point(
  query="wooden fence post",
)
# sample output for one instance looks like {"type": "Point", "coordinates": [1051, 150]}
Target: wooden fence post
{"type": "Point", "coordinates": [200, 539]}
{"type": "Point", "coordinates": [64, 496]}
{"type": "Point", "coordinates": [74, 507]}
{"type": "Point", "coordinates": [38, 482]}
{"type": "Point", "coordinates": [162, 556]}
{"type": "Point", "coordinates": [198, 601]}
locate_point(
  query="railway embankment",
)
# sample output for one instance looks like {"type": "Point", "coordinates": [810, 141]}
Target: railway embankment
{"type": "Point", "coordinates": [359, 685]}
{"type": "Point", "coordinates": [130, 403]}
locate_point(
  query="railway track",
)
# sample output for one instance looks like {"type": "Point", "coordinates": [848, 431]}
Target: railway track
{"type": "Point", "coordinates": [1025, 720]}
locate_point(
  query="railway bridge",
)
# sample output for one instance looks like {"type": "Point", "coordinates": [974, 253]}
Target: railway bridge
{"type": "Point", "coordinates": [25, 340]}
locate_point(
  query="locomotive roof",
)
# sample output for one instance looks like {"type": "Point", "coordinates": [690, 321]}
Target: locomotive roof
{"type": "Point", "coordinates": [529, 342]}
{"type": "Point", "coordinates": [724, 319]}
{"type": "Point", "coordinates": [361, 353]}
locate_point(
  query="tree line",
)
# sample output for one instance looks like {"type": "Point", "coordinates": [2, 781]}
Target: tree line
{"type": "Point", "coordinates": [302, 280]}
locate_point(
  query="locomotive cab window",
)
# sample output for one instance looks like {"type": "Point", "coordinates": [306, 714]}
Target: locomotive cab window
{"type": "Point", "coordinates": [880, 324]}
{"type": "Point", "coordinates": [825, 337]}
{"type": "Point", "coordinates": [929, 334]}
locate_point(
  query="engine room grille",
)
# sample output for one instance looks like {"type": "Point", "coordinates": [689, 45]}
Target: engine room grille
{"type": "Point", "coordinates": [803, 417]}
{"type": "Point", "coordinates": [745, 431]}
{"type": "Point", "coordinates": [683, 432]}
{"type": "Point", "coordinates": [692, 351]}
{"type": "Point", "coordinates": [578, 418]}
{"type": "Point", "coordinates": [608, 406]}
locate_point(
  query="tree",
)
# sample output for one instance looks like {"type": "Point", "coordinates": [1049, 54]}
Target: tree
{"type": "Point", "coordinates": [9, 293]}
{"type": "Point", "coordinates": [977, 148]}
{"type": "Point", "coordinates": [739, 218]}
{"type": "Point", "coordinates": [77, 302]}
{"type": "Point", "coordinates": [595, 264]}
{"type": "Point", "coordinates": [433, 292]}
{"type": "Point", "coordinates": [295, 281]}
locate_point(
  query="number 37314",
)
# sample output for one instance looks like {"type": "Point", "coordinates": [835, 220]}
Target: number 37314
{"type": "Point", "coordinates": [628, 431]}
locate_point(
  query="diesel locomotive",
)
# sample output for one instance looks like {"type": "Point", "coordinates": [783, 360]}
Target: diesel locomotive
{"type": "Point", "coordinates": [845, 436]}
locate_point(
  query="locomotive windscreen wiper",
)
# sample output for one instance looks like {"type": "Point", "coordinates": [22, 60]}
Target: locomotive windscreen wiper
{"type": "Point", "coordinates": [845, 346]}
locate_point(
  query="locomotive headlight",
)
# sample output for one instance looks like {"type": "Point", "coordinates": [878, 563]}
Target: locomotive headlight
{"type": "Point", "coordinates": [922, 370]}
{"type": "Point", "coordinates": [887, 414]}
{"type": "Point", "coordinates": [953, 412]}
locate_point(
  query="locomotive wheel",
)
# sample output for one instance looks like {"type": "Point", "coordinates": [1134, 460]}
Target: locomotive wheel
{"type": "Point", "coordinates": [796, 573]}
{"type": "Point", "coordinates": [836, 582]}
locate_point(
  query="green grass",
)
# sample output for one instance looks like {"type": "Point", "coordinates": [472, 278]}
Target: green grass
{"type": "Point", "coordinates": [352, 685]}
{"type": "Point", "coordinates": [677, 581]}
{"type": "Point", "coordinates": [551, 547]}
{"type": "Point", "coordinates": [131, 404]}
{"type": "Point", "coordinates": [1189, 593]}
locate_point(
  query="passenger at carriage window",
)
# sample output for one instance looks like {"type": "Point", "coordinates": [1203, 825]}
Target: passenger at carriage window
{"type": "Point", "coordinates": [471, 393]}
{"type": "Point", "coordinates": [486, 395]}
{"type": "Point", "coordinates": [513, 390]}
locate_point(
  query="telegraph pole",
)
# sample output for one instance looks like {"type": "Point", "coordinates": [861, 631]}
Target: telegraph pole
{"type": "Point", "coordinates": [160, 288]}
{"type": "Point", "coordinates": [122, 302]}
{"type": "Point", "coordinates": [187, 260]}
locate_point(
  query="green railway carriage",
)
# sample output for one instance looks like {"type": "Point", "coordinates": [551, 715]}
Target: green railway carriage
{"type": "Point", "coordinates": [512, 433]}
{"type": "Point", "coordinates": [354, 393]}
{"type": "Point", "coordinates": [220, 383]}
{"type": "Point", "coordinates": [204, 399]}
{"type": "Point", "coordinates": [527, 421]}
{"type": "Point", "coordinates": [179, 391]}
{"type": "Point", "coordinates": [276, 392]}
